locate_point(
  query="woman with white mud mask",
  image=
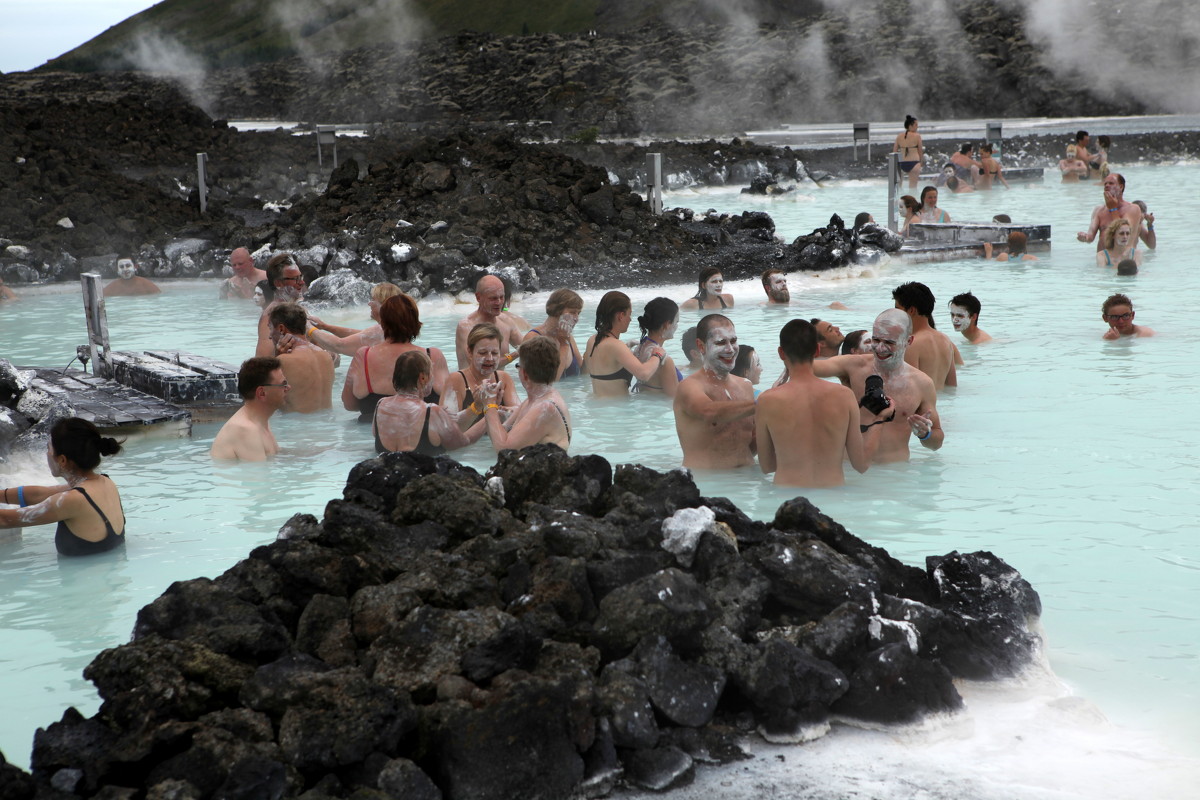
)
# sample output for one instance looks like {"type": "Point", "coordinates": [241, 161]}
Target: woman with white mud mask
{"type": "Point", "coordinates": [658, 324]}
{"type": "Point", "coordinates": [563, 308]}
{"type": "Point", "coordinates": [610, 362]}
{"type": "Point", "coordinates": [463, 397]}
{"type": "Point", "coordinates": [710, 294]}
{"type": "Point", "coordinates": [87, 507]}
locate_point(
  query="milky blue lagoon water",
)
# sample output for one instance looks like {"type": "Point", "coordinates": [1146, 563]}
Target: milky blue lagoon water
{"type": "Point", "coordinates": [1072, 458]}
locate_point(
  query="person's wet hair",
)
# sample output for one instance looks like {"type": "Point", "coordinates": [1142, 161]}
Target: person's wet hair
{"type": "Point", "coordinates": [1080, 136]}
{"type": "Point", "coordinates": [482, 331]}
{"type": "Point", "coordinates": [561, 301]}
{"type": "Point", "coordinates": [1117, 299]}
{"type": "Point", "coordinates": [915, 295]}
{"type": "Point", "coordinates": [611, 304]}
{"type": "Point", "coordinates": [659, 311]}
{"type": "Point", "coordinates": [383, 291]}
{"type": "Point", "coordinates": [81, 442]}
{"type": "Point", "coordinates": [255, 372]}
{"type": "Point", "coordinates": [861, 219]}
{"type": "Point", "coordinates": [966, 148]}
{"type": "Point", "coordinates": [409, 368]}
{"type": "Point", "coordinates": [1127, 266]}
{"type": "Point", "coordinates": [400, 319]}
{"type": "Point", "coordinates": [291, 316]}
{"type": "Point", "coordinates": [911, 203]}
{"type": "Point", "coordinates": [798, 339]}
{"type": "Point", "coordinates": [909, 121]}
{"type": "Point", "coordinates": [709, 322]}
{"type": "Point", "coordinates": [925, 192]}
{"type": "Point", "coordinates": [852, 341]}
{"type": "Point", "coordinates": [766, 276]}
{"type": "Point", "coordinates": [688, 342]}
{"type": "Point", "coordinates": [968, 301]}
{"type": "Point", "coordinates": [1018, 242]}
{"type": "Point", "coordinates": [705, 274]}
{"type": "Point", "coordinates": [952, 183]}
{"type": "Point", "coordinates": [539, 359]}
{"type": "Point", "coordinates": [276, 264]}
{"type": "Point", "coordinates": [1003, 219]}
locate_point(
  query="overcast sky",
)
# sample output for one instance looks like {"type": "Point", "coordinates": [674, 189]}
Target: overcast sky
{"type": "Point", "coordinates": [34, 31]}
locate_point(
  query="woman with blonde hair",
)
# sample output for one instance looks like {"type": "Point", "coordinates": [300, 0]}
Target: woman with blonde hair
{"type": "Point", "coordinates": [1120, 243]}
{"type": "Point", "coordinates": [563, 307]}
{"type": "Point", "coordinates": [346, 341]}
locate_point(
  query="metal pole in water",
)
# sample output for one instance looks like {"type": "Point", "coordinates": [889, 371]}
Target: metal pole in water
{"type": "Point", "coordinates": [654, 182]}
{"type": "Point", "coordinates": [893, 181]}
{"type": "Point", "coordinates": [202, 179]}
{"type": "Point", "coordinates": [97, 324]}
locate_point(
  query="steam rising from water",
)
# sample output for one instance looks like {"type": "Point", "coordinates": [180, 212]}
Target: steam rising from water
{"type": "Point", "coordinates": [162, 54]}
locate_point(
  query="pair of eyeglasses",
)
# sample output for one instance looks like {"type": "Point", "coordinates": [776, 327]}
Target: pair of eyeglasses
{"type": "Point", "coordinates": [284, 384]}
{"type": "Point", "coordinates": [299, 278]}
{"type": "Point", "coordinates": [1119, 317]}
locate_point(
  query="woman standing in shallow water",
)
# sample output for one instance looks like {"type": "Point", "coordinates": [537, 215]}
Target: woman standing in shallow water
{"type": "Point", "coordinates": [912, 151]}
{"type": "Point", "coordinates": [87, 507]}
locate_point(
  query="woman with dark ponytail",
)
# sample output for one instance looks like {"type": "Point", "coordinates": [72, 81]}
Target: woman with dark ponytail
{"type": "Point", "coordinates": [87, 507]}
{"type": "Point", "coordinates": [658, 324]}
{"type": "Point", "coordinates": [609, 361]}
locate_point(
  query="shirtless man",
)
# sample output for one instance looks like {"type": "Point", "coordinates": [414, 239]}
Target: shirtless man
{"type": "Point", "coordinates": [245, 276]}
{"type": "Point", "coordinates": [285, 275]}
{"type": "Point", "coordinates": [966, 168]}
{"type": "Point", "coordinates": [489, 293]}
{"type": "Point", "coordinates": [1082, 140]}
{"type": "Point", "coordinates": [247, 435]}
{"type": "Point", "coordinates": [1117, 311]}
{"type": "Point", "coordinates": [804, 427]}
{"type": "Point", "coordinates": [1146, 232]}
{"type": "Point", "coordinates": [776, 286]}
{"type": "Point", "coordinates": [1115, 207]}
{"type": "Point", "coordinates": [307, 368]}
{"type": "Point", "coordinates": [831, 337]}
{"type": "Point", "coordinates": [128, 282]}
{"type": "Point", "coordinates": [931, 351]}
{"type": "Point", "coordinates": [964, 316]}
{"type": "Point", "coordinates": [910, 390]}
{"type": "Point", "coordinates": [714, 411]}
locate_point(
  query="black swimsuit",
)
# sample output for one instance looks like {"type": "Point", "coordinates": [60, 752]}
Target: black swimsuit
{"type": "Point", "coordinates": [424, 446]}
{"type": "Point", "coordinates": [620, 375]}
{"type": "Point", "coordinates": [702, 295]}
{"type": "Point", "coordinates": [69, 544]}
{"type": "Point", "coordinates": [468, 398]}
{"type": "Point", "coordinates": [366, 405]}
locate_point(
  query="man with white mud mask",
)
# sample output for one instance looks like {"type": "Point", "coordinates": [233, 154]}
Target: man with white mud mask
{"type": "Point", "coordinates": [714, 410]}
{"type": "Point", "coordinates": [910, 390]}
{"type": "Point", "coordinates": [964, 316]}
{"type": "Point", "coordinates": [489, 295]}
{"type": "Point", "coordinates": [128, 282]}
{"type": "Point", "coordinates": [776, 286]}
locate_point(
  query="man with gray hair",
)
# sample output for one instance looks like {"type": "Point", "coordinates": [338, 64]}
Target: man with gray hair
{"type": "Point", "coordinates": [910, 390]}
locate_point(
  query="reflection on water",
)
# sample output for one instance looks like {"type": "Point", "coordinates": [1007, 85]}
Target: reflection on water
{"type": "Point", "coordinates": [1070, 457]}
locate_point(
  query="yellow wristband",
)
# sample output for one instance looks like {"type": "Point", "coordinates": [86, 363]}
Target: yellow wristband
{"type": "Point", "coordinates": [490, 406]}
{"type": "Point", "coordinates": [310, 332]}
{"type": "Point", "coordinates": [473, 408]}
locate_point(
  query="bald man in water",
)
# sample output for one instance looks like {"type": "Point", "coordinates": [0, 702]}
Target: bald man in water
{"type": "Point", "coordinates": [910, 390]}
{"type": "Point", "coordinates": [245, 275]}
{"type": "Point", "coordinates": [489, 294]}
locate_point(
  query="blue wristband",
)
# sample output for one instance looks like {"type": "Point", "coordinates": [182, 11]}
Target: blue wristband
{"type": "Point", "coordinates": [928, 433]}
{"type": "Point", "coordinates": [21, 496]}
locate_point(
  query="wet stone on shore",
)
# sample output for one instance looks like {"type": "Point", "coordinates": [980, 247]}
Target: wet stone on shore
{"type": "Point", "coordinates": [525, 633]}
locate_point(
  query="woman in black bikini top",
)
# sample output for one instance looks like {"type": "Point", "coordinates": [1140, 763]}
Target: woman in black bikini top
{"type": "Point", "coordinates": [609, 361]}
{"type": "Point", "coordinates": [78, 506]}
{"type": "Point", "coordinates": [711, 283]}
{"type": "Point", "coordinates": [483, 351]}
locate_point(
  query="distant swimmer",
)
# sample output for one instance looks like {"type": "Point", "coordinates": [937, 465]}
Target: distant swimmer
{"type": "Point", "coordinates": [245, 276]}
{"type": "Point", "coordinates": [992, 171]}
{"type": "Point", "coordinates": [1082, 140]}
{"type": "Point", "coordinates": [714, 410]}
{"type": "Point", "coordinates": [544, 417]}
{"type": "Point", "coordinates": [775, 284]}
{"type": "Point", "coordinates": [710, 294]}
{"type": "Point", "coordinates": [405, 422]}
{"type": "Point", "coordinates": [830, 335]}
{"type": "Point", "coordinates": [966, 168]}
{"type": "Point", "coordinates": [87, 507]}
{"type": "Point", "coordinates": [911, 149]}
{"type": "Point", "coordinates": [287, 283]}
{"type": "Point", "coordinates": [1118, 312]}
{"type": "Point", "coordinates": [489, 297]}
{"type": "Point", "coordinates": [1072, 168]}
{"type": "Point", "coordinates": [128, 282]}
{"type": "Point", "coordinates": [307, 368]}
{"type": "Point", "coordinates": [247, 436]}
{"type": "Point", "coordinates": [1017, 244]}
{"type": "Point", "coordinates": [5, 292]}
{"type": "Point", "coordinates": [929, 211]}
{"type": "Point", "coordinates": [805, 427]}
{"type": "Point", "coordinates": [1146, 231]}
{"type": "Point", "coordinates": [1115, 207]}
{"type": "Point", "coordinates": [964, 316]}
{"type": "Point", "coordinates": [911, 391]}
{"type": "Point", "coordinates": [930, 351]}
{"type": "Point", "coordinates": [1119, 244]}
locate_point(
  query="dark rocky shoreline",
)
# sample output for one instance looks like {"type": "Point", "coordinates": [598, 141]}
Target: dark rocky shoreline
{"type": "Point", "coordinates": [548, 630]}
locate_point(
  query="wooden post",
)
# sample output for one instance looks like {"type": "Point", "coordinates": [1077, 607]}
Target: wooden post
{"type": "Point", "coordinates": [97, 324]}
{"type": "Point", "coordinates": [654, 182]}
{"type": "Point", "coordinates": [202, 179]}
{"type": "Point", "coordinates": [894, 177]}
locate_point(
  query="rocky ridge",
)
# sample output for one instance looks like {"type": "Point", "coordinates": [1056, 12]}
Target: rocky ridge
{"type": "Point", "coordinates": [546, 630]}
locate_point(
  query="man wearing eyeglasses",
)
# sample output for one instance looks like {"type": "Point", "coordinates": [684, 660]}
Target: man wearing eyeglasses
{"type": "Point", "coordinates": [285, 276]}
{"type": "Point", "coordinates": [247, 435]}
{"type": "Point", "coordinates": [1117, 311]}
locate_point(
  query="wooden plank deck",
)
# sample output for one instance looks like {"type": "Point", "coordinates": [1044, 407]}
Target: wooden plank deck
{"type": "Point", "coordinates": [110, 406]}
